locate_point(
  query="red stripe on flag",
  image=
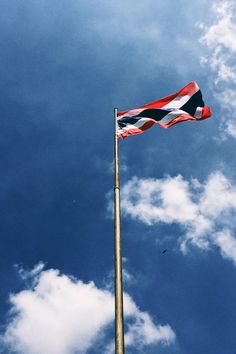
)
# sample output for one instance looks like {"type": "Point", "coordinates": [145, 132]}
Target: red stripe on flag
{"type": "Point", "coordinates": [206, 113]}
{"type": "Point", "coordinates": [185, 117]}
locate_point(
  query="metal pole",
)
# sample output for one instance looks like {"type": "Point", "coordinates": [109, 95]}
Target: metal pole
{"type": "Point", "coordinates": [119, 317]}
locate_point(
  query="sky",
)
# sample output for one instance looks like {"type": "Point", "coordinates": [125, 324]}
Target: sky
{"type": "Point", "coordinates": [64, 66]}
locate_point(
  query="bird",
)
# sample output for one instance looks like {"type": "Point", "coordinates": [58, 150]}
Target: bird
{"type": "Point", "coordinates": [164, 251]}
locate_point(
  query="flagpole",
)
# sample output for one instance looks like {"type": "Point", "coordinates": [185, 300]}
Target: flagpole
{"type": "Point", "coordinates": [119, 317]}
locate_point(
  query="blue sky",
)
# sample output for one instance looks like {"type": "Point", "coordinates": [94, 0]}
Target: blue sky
{"type": "Point", "coordinates": [63, 67]}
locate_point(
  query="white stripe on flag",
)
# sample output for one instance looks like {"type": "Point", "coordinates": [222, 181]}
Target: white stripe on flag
{"type": "Point", "coordinates": [198, 113]}
{"type": "Point", "coordinates": [179, 101]}
{"type": "Point", "coordinates": [170, 116]}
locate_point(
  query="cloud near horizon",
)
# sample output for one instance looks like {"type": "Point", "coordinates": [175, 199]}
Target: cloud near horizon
{"type": "Point", "coordinates": [203, 210]}
{"type": "Point", "coordinates": [62, 315]}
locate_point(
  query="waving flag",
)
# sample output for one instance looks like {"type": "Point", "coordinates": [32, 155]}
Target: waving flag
{"type": "Point", "coordinates": [187, 104]}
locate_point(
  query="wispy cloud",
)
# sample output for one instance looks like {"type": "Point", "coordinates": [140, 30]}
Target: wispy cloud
{"type": "Point", "coordinates": [219, 38]}
{"type": "Point", "coordinates": [62, 315]}
{"type": "Point", "coordinates": [203, 210]}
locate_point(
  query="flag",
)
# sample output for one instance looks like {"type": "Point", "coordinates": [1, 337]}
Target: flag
{"type": "Point", "coordinates": [187, 104]}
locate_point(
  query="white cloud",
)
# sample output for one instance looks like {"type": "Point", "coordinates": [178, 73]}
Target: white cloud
{"type": "Point", "coordinates": [227, 244]}
{"type": "Point", "coordinates": [61, 315]}
{"type": "Point", "coordinates": [222, 32]}
{"type": "Point", "coordinates": [227, 100]}
{"type": "Point", "coordinates": [230, 129]}
{"type": "Point", "coordinates": [220, 40]}
{"type": "Point", "coordinates": [153, 200]}
{"type": "Point", "coordinates": [26, 274]}
{"type": "Point", "coordinates": [143, 331]}
{"type": "Point", "coordinates": [204, 211]}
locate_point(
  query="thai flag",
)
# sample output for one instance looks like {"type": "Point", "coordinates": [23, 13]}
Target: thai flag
{"type": "Point", "coordinates": [187, 104]}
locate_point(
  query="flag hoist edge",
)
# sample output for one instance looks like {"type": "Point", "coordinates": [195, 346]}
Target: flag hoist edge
{"type": "Point", "coordinates": [187, 104]}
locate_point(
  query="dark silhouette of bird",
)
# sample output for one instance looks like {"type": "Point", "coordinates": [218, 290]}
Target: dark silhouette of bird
{"type": "Point", "coordinates": [164, 251]}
